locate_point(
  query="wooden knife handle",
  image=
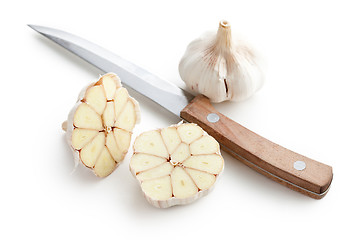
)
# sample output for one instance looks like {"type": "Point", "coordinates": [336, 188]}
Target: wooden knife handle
{"type": "Point", "coordinates": [293, 170]}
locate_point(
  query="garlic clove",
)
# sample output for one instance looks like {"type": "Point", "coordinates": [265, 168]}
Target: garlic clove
{"type": "Point", "coordinates": [122, 138]}
{"type": "Point", "coordinates": [120, 99]}
{"type": "Point", "coordinates": [207, 163]}
{"type": "Point", "coordinates": [116, 152]}
{"type": "Point", "coordinates": [81, 137]}
{"type": "Point", "coordinates": [202, 179]}
{"type": "Point", "coordinates": [161, 170]}
{"type": "Point", "coordinates": [127, 118]}
{"type": "Point", "coordinates": [181, 153]}
{"type": "Point", "coordinates": [142, 162]}
{"type": "Point", "coordinates": [179, 177]}
{"type": "Point", "coordinates": [108, 116]}
{"type": "Point", "coordinates": [100, 125]}
{"type": "Point", "coordinates": [171, 138]}
{"type": "Point", "coordinates": [90, 152]}
{"type": "Point", "coordinates": [189, 132]}
{"type": "Point", "coordinates": [182, 184]}
{"type": "Point", "coordinates": [105, 164]}
{"type": "Point", "coordinates": [110, 82]}
{"type": "Point", "coordinates": [158, 188]}
{"type": "Point", "coordinates": [204, 145]}
{"type": "Point", "coordinates": [221, 66]}
{"type": "Point", "coordinates": [95, 97]}
{"type": "Point", "coordinates": [86, 118]}
{"type": "Point", "coordinates": [151, 143]}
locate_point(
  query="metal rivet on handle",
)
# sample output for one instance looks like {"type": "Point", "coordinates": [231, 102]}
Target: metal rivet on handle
{"type": "Point", "coordinates": [213, 117]}
{"type": "Point", "coordinates": [299, 165]}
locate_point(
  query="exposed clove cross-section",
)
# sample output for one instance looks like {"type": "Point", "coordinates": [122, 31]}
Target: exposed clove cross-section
{"type": "Point", "coordinates": [176, 165]}
{"type": "Point", "coordinates": [100, 125]}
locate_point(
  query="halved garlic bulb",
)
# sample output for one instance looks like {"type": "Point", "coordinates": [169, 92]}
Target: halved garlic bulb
{"type": "Point", "coordinates": [221, 67]}
{"type": "Point", "coordinates": [99, 127]}
{"type": "Point", "coordinates": [176, 165]}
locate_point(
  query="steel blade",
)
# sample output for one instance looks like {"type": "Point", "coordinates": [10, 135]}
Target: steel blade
{"type": "Point", "coordinates": [164, 93]}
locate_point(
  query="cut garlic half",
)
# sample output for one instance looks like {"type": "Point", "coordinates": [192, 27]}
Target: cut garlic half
{"type": "Point", "coordinates": [176, 165]}
{"type": "Point", "coordinates": [100, 125]}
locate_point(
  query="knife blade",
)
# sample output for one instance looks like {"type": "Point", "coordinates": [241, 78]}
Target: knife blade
{"type": "Point", "coordinates": [284, 166]}
{"type": "Point", "coordinates": [162, 92]}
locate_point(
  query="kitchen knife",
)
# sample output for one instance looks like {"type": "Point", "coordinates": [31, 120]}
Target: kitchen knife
{"type": "Point", "coordinates": [293, 170]}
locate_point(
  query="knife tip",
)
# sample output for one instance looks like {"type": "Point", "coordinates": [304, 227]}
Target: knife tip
{"type": "Point", "coordinates": [34, 27]}
{"type": "Point", "coordinates": [30, 25]}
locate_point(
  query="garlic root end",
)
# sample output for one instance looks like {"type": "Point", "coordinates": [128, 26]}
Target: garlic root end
{"type": "Point", "coordinates": [64, 126]}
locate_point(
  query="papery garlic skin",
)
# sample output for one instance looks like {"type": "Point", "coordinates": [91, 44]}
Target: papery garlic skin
{"type": "Point", "coordinates": [222, 67]}
{"type": "Point", "coordinates": [176, 165]}
{"type": "Point", "coordinates": [99, 126]}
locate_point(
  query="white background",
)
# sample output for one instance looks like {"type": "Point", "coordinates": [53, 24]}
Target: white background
{"type": "Point", "coordinates": [309, 104]}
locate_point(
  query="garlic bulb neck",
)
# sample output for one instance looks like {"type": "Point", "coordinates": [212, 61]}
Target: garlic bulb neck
{"type": "Point", "coordinates": [223, 40]}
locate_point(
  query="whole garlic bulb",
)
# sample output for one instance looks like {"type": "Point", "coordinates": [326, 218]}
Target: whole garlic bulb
{"type": "Point", "coordinates": [221, 67]}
